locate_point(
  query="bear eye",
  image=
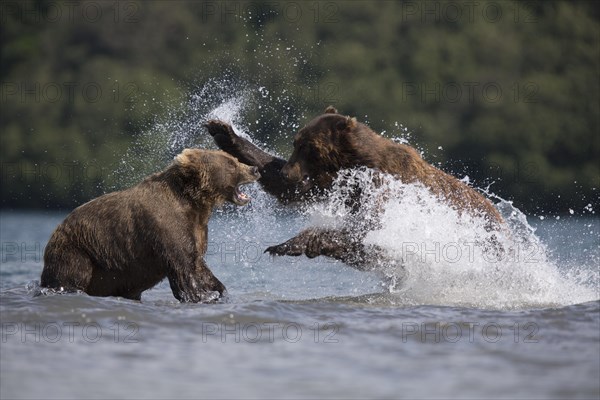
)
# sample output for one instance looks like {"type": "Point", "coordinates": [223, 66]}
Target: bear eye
{"type": "Point", "coordinates": [304, 148]}
{"type": "Point", "coordinates": [310, 151]}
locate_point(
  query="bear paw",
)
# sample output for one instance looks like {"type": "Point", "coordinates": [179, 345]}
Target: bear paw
{"type": "Point", "coordinates": [222, 132]}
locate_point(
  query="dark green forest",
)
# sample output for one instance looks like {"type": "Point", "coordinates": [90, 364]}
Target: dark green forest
{"type": "Point", "coordinates": [507, 93]}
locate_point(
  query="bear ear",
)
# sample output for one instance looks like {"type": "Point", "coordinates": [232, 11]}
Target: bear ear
{"type": "Point", "coordinates": [188, 156]}
{"type": "Point", "coordinates": [183, 157]}
{"type": "Point", "coordinates": [347, 124]}
{"type": "Point", "coordinates": [331, 110]}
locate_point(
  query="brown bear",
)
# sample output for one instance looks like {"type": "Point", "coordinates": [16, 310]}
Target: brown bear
{"type": "Point", "coordinates": [125, 242]}
{"type": "Point", "coordinates": [326, 145]}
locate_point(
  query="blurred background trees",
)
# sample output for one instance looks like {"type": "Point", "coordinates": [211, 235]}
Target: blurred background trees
{"type": "Point", "coordinates": [507, 93]}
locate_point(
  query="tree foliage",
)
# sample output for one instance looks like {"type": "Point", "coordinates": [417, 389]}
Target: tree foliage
{"type": "Point", "coordinates": [505, 92]}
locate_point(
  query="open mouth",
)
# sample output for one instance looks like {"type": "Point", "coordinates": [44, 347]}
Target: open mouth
{"type": "Point", "coordinates": [240, 198]}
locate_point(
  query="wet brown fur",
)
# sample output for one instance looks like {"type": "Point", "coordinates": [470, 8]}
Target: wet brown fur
{"type": "Point", "coordinates": [125, 242]}
{"type": "Point", "coordinates": [333, 142]}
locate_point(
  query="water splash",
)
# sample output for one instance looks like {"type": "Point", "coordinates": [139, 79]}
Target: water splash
{"type": "Point", "coordinates": [446, 257]}
{"type": "Point", "coordinates": [181, 126]}
{"type": "Point", "coordinates": [270, 113]}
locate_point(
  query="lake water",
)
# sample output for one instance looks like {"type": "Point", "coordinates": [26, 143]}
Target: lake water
{"type": "Point", "coordinates": [298, 328]}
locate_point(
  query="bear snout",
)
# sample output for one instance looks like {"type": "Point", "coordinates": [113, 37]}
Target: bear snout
{"type": "Point", "coordinates": [291, 172]}
{"type": "Point", "coordinates": [251, 174]}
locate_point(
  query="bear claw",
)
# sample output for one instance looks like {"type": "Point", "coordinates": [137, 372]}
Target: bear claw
{"type": "Point", "coordinates": [285, 249]}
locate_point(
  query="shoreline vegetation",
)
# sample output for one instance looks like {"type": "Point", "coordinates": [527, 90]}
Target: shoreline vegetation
{"type": "Point", "coordinates": [506, 93]}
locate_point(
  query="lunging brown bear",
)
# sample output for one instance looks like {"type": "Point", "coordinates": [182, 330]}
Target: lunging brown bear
{"type": "Point", "coordinates": [326, 145]}
{"type": "Point", "coordinates": [125, 242]}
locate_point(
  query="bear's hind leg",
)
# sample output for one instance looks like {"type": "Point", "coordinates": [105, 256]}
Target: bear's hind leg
{"type": "Point", "coordinates": [66, 270]}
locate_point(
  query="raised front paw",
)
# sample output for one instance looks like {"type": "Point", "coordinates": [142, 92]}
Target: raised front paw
{"type": "Point", "coordinates": [222, 132]}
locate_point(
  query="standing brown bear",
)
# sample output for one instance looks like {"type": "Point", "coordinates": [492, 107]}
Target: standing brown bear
{"type": "Point", "coordinates": [125, 242]}
{"type": "Point", "coordinates": [326, 145]}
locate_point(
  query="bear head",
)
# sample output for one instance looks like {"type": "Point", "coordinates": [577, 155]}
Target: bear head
{"type": "Point", "coordinates": [213, 175]}
{"type": "Point", "coordinates": [324, 146]}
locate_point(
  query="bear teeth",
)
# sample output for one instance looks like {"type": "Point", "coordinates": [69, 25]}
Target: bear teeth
{"type": "Point", "coordinates": [241, 196]}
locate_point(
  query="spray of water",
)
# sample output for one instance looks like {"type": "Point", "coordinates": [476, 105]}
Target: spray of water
{"type": "Point", "coordinates": [447, 257]}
